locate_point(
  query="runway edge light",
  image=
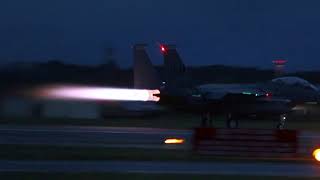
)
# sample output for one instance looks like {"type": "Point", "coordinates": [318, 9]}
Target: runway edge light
{"type": "Point", "coordinates": [174, 141]}
{"type": "Point", "coordinates": [316, 154]}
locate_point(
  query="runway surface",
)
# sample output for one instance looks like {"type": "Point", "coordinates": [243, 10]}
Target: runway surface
{"type": "Point", "coordinates": [131, 137]}
{"type": "Point", "coordinates": [92, 136]}
{"type": "Point", "coordinates": [257, 169]}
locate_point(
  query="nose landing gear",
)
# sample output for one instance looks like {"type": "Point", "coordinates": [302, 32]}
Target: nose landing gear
{"type": "Point", "coordinates": [232, 122]}
{"type": "Point", "coordinates": [282, 121]}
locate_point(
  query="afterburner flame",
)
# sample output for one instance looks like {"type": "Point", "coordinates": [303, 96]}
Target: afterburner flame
{"type": "Point", "coordinates": [97, 93]}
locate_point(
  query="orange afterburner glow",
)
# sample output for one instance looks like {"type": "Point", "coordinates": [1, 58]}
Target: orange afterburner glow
{"type": "Point", "coordinates": [316, 154]}
{"type": "Point", "coordinates": [97, 93]}
{"type": "Point", "coordinates": [174, 141]}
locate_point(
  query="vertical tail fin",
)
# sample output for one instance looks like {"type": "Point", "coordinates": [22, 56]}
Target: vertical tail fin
{"type": "Point", "coordinates": [145, 76]}
{"type": "Point", "coordinates": [172, 62]}
{"type": "Point", "coordinates": [174, 68]}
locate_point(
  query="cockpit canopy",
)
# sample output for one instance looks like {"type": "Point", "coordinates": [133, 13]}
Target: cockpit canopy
{"type": "Point", "coordinates": [294, 81]}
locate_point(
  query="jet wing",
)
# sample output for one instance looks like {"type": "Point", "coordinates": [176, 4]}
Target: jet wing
{"type": "Point", "coordinates": [219, 91]}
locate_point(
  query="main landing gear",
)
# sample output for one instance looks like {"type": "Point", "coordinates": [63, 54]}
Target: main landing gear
{"type": "Point", "coordinates": [207, 120]}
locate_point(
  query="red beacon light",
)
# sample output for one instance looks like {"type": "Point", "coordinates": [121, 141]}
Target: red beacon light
{"type": "Point", "coordinates": [279, 62]}
{"type": "Point", "coordinates": [163, 49]}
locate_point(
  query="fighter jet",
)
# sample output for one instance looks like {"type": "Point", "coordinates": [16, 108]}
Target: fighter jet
{"type": "Point", "coordinates": [177, 92]}
{"type": "Point", "coordinates": [288, 91]}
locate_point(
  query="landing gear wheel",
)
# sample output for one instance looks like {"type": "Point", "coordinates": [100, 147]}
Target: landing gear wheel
{"type": "Point", "coordinates": [207, 119]}
{"type": "Point", "coordinates": [232, 123]}
{"type": "Point", "coordinates": [282, 121]}
{"type": "Point", "coordinates": [280, 126]}
{"type": "Point", "coordinates": [204, 121]}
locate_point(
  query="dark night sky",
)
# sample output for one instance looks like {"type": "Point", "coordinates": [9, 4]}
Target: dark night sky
{"type": "Point", "coordinates": [232, 32]}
